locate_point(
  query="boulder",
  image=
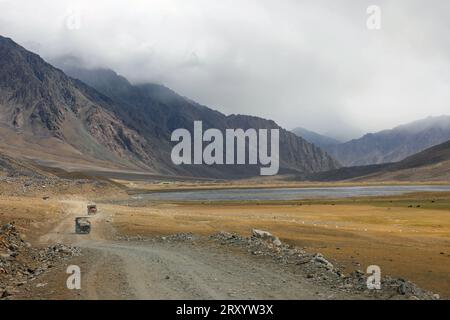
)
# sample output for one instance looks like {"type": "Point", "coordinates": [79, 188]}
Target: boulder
{"type": "Point", "coordinates": [267, 236]}
{"type": "Point", "coordinates": [277, 242]}
{"type": "Point", "coordinates": [318, 258]}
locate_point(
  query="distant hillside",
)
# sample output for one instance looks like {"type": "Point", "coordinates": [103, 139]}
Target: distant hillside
{"type": "Point", "coordinates": [431, 156]}
{"type": "Point", "coordinates": [10, 167]}
{"type": "Point", "coordinates": [432, 164]}
{"type": "Point", "coordinates": [319, 140]}
{"type": "Point", "coordinates": [393, 145]}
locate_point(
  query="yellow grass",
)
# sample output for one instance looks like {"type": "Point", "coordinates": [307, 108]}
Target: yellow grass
{"type": "Point", "coordinates": [260, 183]}
{"type": "Point", "coordinates": [32, 216]}
{"type": "Point", "coordinates": [409, 242]}
{"type": "Point", "coordinates": [406, 242]}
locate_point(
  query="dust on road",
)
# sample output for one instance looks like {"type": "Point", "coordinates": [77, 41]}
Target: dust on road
{"type": "Point", "coordinates": [134, 270]}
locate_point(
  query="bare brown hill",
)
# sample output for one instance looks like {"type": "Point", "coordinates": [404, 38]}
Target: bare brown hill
{"type": "Point", "coordinates": [432, 164]}
{"type": "Point", "coordinates": [59, 121]}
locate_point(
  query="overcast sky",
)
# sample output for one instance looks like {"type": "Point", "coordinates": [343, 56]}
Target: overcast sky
{"type": "Point", "coordinates": [302, 63]}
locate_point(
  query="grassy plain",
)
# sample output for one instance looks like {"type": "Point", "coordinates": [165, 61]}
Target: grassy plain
{"type": "Point", "coordinates": [407, 236]}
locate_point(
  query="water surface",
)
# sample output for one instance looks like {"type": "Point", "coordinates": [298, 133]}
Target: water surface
{"type": "Point", "coordinates": [288, 193]}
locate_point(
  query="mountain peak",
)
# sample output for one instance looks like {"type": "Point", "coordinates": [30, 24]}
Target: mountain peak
{"type": "Point", "coordinates": [394, 144]}
{"type": "Point", "coordinates": [43, 103]}
{"type": "Point", "coordinates": [155, 111]}
{"type": "Point", "coordinates": [99, 118]}
{"type": "Point", "coordinates": [319, 140]}
{"type": "Point", "coordinates": [8, 41]}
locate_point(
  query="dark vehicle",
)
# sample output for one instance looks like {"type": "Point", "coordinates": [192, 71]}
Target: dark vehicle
{"type": "Point", "coordinates": [91, 209]}
{"type": "Point", "coordinates": [82, 225]}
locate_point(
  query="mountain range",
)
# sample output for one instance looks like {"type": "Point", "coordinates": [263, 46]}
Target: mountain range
{"type": "Point", "coordinates": [388, 145]}
{"type": "Point", "coordinates": [319, 140]}
{"type": "Point", "coordinates": [97, 119]}
{"type": "Point", "coordinates": [94, 119]}
{"type": "Point", "coordinates": [432, 164]}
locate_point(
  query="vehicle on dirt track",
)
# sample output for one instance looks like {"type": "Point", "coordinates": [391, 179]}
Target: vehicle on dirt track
{"type": "Point", "coordinates": [91, 209]}
{"type": "Point", "coordinates": [82, 225]}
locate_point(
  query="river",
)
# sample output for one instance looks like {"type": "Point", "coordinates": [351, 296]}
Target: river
{"type": "Point", "coordinates": [288, 193]}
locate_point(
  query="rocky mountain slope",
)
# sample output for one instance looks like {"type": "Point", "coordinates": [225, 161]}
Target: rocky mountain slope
{"type": "Point", "coordinates": [10, 167]}
{"type": "Point", "coordinates": [155, 111]}
{"type": "Point", "coordinates": [315, 138]}
{"type": "Point", "coordinates": [393, 145]}
{"type": "Point", "coordinates": [41, 102]}
{"type": "Point", "coordinates": [48, 116]}
{"type": "Point", "coordinates": [432, 164]}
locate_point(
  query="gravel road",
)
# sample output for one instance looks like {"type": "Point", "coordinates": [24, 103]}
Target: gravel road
{"type": "Point", "coordinates": [180, 270]}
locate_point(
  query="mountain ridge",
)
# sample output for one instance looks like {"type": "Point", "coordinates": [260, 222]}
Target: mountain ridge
{"type": "Point", "coordinates": [393, 145]}
{"type": "Point", "coordinates": [432, 164]}
{"type": "Point", "coordinates": [164, 105]}
{"type": "Point", "coordinates": [319, 140]}
{"type": "Point", "coordinates": [128, 126]}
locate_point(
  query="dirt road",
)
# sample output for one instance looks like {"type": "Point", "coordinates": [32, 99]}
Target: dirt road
{"type": "Point", "coordinates": [175, 270]}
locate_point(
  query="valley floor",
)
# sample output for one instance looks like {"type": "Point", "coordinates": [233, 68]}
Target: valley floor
{"type": "Point", "coordinates": [406, 242]}
{"type": "Point", "coordinates": [407, 236]}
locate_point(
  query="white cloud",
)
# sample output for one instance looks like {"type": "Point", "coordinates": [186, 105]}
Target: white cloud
{"type": "Point", "coordinates": [308, 63]}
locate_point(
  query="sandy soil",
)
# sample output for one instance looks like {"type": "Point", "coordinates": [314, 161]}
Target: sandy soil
{"type": "Point", "coordinates": [128, 270]}
{"type": "Point", "coordinates": [409, 242]}
{"type": "Point", "coordinates": [405, 242]}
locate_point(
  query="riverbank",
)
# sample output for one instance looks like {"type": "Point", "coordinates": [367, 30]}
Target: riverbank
{"type": "Point", "coordinates": [160, 185]}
